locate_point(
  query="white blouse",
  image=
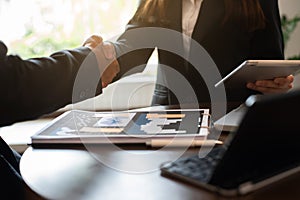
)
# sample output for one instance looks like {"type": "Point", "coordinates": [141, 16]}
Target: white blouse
{"type": "Point", "coordinates": [190, 12]}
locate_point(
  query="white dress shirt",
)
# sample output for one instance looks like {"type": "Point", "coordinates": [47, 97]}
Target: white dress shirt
{"type": "Point", "coordinates": [190, 12]}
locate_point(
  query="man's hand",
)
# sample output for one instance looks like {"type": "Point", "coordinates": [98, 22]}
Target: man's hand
{"type": "Point", "coordinates": [106, 56]}
{"type": "Point", "coordinates": [277, 85]}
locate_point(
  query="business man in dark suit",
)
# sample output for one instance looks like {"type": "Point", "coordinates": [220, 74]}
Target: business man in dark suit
{"type": "Point", "coordinates": [34, 87]}
{"type": "Point", "coordinates": [230, 31]}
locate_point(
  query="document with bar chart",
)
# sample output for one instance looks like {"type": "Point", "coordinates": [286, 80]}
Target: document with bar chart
{"type": "Point", "coordinates": [78, 126]}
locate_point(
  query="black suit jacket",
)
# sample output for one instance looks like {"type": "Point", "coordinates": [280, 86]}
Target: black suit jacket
{"type": "Point", "coordinates": [227, 44]}
{"type": "Point", "coordinates": [33, 87]}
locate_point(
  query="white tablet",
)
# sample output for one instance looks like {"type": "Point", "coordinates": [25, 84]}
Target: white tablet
{"type": "Point", "coordinates": [252, 70]}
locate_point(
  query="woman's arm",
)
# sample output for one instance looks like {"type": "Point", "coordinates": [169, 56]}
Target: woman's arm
{"type": "Point", "coordinates": [268, 44]}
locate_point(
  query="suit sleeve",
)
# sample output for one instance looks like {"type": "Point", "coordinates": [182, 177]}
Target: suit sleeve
{"type": "Point", "coordinates": [132, 55]}
{"type": "Point", "coordinates": [268, 43]}
{"type": "Point", "coordinates": [37, 86]}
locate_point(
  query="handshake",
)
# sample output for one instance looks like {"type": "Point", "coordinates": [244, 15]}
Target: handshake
{"type": "Point", "coordinates": [106, 57]}
{"type": "Point", "coordinates": [109, 68]}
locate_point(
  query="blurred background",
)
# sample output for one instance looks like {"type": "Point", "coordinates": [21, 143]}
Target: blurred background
{"type": "Point", "coordinates": [39, 27]}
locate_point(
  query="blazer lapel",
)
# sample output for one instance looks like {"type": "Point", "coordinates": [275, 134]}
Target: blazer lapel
{"type": "Point", "coordinates": [210, 14]}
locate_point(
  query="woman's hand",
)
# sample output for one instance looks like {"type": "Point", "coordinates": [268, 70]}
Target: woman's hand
{"type": "Point", "coordinates": [106, 57]}
{"type": "Point", "coordinates": [277, 85]}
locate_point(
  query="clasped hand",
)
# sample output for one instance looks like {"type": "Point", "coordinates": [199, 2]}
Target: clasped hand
{"type": "Point", "coordinates": [106, 57]}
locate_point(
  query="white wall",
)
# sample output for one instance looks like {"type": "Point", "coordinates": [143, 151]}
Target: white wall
{"type": "Point", "coordinates": [292, 8]}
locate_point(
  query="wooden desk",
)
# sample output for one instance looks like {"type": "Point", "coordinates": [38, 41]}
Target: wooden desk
{"type": "Point", "coordinates": [80, 174]}
{"type": "Point", "coordinates": [127, 172]}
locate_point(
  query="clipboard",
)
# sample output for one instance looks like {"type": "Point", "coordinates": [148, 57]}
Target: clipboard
{"type": "Point", "coordinates": [152, 128]}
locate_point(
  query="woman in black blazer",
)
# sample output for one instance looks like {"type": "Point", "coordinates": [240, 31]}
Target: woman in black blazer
{"type": "Point", "coordinates": [230, 31]}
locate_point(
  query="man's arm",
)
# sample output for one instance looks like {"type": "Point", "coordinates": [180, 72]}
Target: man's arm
{"type": "Point", "coordinates": [37, 86]}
